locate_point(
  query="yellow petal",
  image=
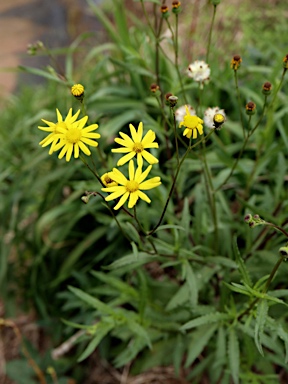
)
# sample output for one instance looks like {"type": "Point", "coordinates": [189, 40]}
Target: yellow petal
{"type": "Point", "coordinates": [122, 201]}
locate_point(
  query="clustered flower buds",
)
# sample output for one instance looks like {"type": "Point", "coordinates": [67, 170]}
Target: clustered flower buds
{"type": "Point", "coordinates": [235, 62]}
{"type": "Point", "coordinates": [253, 221]}
{"type": "Point", "coordinates": [32, 49]}
{"type": "Point", "coordinates": [77, 91]}
{"type": "Point", "coordinates": [266, 88]}
{"type": "Point", "coordinates": [250, 108]}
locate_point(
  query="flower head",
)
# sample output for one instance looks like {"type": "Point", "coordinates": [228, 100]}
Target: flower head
{"type": "Point", "coordinates": [250, 108]}
{"type": "Point", "coordinates": [70, 135]}
{"type": "Point", "coordinates": [192, 124]}
{"type": "Point", "coordinates": [285, 62]}
{"type": "Point", "coordinates": [136, 145]}
{"type": "Point", "coordinates": [77, 90]}
{"type": "Point", "coordinates": [235, 62]}
{"type": "Point", "coordinates": [54, 128]}
{"type": "Point", "coordinates": [107, 181]}
{"type": "Point", "coordinates": [131, 188]}
{"type": "Point", "coordinates": [199, 71]}
{"type": "Point", "coordinates": [266, 88]}
{"type": "Point", "coordinates": [181, 112]}
{"type": "Point", "coordinates": [209, 115]}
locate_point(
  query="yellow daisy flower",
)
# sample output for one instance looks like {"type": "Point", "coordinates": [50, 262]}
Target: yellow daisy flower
{"type": "Point", "coordinates": [131, 188]}
{"type": "Point", "coordinates": [53, 137]}
{"type": "Point", "coordinates": [75, 138]}
{"type": "Point", "coordinates": [192, 124]}
{"type": "Point", "coordinates": [136, 146]}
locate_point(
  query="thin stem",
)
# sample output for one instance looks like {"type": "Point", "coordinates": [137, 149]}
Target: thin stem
{"type": "Point", "coordinates": [175, 135]}
{"type": "Point", "coordinates": [210, 33]}
{"type": "Point", "coordinates": [239, 101]}
{"type": "Point", "coordinates": [114, 217]}
{"type": "Point", "coordinates": [174, 181]}
{"type": "Point", "coordinates": [278, 228]}
{"type": "Point", "coordinates": [250, 133]}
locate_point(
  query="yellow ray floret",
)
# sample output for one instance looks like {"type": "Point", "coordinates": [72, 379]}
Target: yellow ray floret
{"type": "Point", "coordinates": [70, 136]}
{"type": "Point", "coordinates": [192, 124]}
{"type": "Point", "coordinates": [131, 188]}
{"type": "Point", "coordinates": [136, 145]}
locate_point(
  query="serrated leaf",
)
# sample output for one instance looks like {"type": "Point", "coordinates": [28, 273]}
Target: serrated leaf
{"type": "Point", "coordinates": [92, 301]}
{"type": "Point", "coordinates": [130, 259]}
{"type": "Point", "coordinates": [192, 283]}
{"type": "Point", "coordinates": [237, 288]}
{"type": "Point", "coordinates": [206, 319]}
{"type": "Point", "coordinates": [234, 355]}
{"type": "Point", "coordinates": [262, 311]}
{"type": "Point", "coordinates": [200, 339]}
{"type": "Point", "coordinates": [179, 298]}
{"type": "Point", "coordinates": [101, 331]}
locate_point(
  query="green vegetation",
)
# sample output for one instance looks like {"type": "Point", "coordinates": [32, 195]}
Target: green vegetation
{"type": "Point", "coordinates": [185, 281]}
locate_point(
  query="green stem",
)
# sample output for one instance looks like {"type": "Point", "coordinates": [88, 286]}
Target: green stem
{"type": "Point", "coordinates": [175, 134]}
{"type": "Point", "coordinates": [239, 101]}
{"type": "Point", "coordinates": [210, 33]}
{"type": "Point", "coordinates": [174, 181]}
{"type": "Point", "coordinates": [250, 133]}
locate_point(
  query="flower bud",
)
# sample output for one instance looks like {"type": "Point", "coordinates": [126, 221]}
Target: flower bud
{"type": "Point", "coordinates": [235, 62]}
{"type": "Point", "coordinates": [248, 218]}
{"type": "Point", "coordinates": [285, 62]}
{"type": "Point", "coordinates": [215, 2]}
{"type": "Point", "coordinates": [176, 7]}
{"type": "Point", "coordinates": [284, 251]}
{"type": "Point", "coordinates": [250, 108]}
{"type": "Point", "coordinates": [266, 88]}
{"type": "Point", "coordinates": [165, 11]}
{"type": "Point", "coordinates": [78, 91]}
{"type": "Point", "coordinates": [155, 89]}
{"type": "Point", "coordinates": [173, 100]}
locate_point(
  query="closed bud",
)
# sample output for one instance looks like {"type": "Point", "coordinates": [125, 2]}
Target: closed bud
{"type": "Point", "coordinates": [77, 91]}
{"type": "Point", "coordinates": [285, 62]}
{"type": "Point", "coordinates": [173, 100]}
{"type": "Point", "coordinates": [218, 120]}
{"type": "Point", "coordinates": [248, 218]}
{"type": "Point", "coordinates": [235, 62]}
{"type": "Point", "coordinates": [266, 88]}
{"type": "Point", "coordinates": [176, 7]}
{"type": "Point", "coordinates": [284, 251]}
{"type": "Point", "coordinates": [165, 11]}
{"type": "Point", "coordinates": [250, 108]}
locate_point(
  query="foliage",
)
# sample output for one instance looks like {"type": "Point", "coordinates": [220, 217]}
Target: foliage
{"type": "Point", "coordinates": [183, 281]}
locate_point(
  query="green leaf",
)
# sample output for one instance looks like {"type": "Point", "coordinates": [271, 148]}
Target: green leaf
{"type": "Point", "coordinates": [168, 226]}
{"type": "Point", "coordinates": [179, 298]}
{"type": "Point", "coordinates": [262, 312]}
{"type": "Point", "coordinates": [199, 340]}
{"type": "Point", "coordinates": [92, 301]}
{"type": "Point", "coordinates": [101, 331]}
{"type": "Point", "coordinates": [130, 259]}
{"type": "Point", "coordinates": [206, 319]}
{"type": "Point", "coordinates": [192, 283]}
{"type": "Point", "coordinates": [234, 355]}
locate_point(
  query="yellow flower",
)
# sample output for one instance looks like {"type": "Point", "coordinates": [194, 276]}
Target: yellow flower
{"type": "Point", "coordinates": [131, 188]}
{"type": "Point", "coordinates": [75, 137]}
{"type": "Point", "coordinates": [53, 137]}
{"type": "Point", "coordinates": [191, 124]}
{"type": "Point", "coordinates": [107, 181]}
{"type": "Point", "coordinates": [136, 146]}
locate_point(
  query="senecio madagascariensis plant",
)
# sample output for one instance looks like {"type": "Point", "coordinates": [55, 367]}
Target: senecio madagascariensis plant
{"type": "Point", "coordinates": [69, 135]}
{"type": "Point", "coordinates": [192, 124]}
{"type": "Point", "coordinates": [130, 188]}
{"type": "Point", "coordinates": [136, 145]}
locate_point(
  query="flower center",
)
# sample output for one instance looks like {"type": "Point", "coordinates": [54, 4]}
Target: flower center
{"type": "Point", "coordinates": [138, 147]}
{"type": "Point", "coordinates": [73, 135]}
{"type": "Point", "coordinates": [132, 186]}
{"type": "Point", "coordinates": [191, 121]}
{"type": "Point", "coordinates": [108, 180]}
{"type": "Point", "coordinates": [59, 125]}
